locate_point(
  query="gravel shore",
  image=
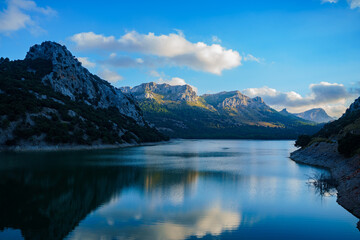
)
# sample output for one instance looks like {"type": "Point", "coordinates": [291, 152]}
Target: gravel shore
{"type": "Point", "coordinates": [346, 171]}
{"type": "Point", "coordinates": [48, 148]}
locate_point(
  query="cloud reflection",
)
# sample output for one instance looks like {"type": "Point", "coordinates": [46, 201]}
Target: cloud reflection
{"type": "Point", "coordinates": [213, 221]}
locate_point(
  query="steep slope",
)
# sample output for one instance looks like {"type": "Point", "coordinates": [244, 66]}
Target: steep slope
{"type": "Point", "coordinates": [337, 147]}
{"type": "Point", "coordinates": [71, 79]}
{"type": "Point", "coordinates": [344, 132]}
{"type": "Point", "coordinates": [49, 99]}
{"type": "Point", "coordinates": [179, 112]}
{"type": "Point", "coordinates": [316, 115]}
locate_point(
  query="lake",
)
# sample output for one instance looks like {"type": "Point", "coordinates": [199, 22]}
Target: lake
{"type": "Point", "coordinates": [184, 189]}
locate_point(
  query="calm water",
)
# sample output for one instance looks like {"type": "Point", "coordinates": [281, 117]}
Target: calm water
{"type": "Point", "coordinates": [187, 189]}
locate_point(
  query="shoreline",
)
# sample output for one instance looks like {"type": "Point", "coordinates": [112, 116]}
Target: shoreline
{"type": "Point", "coordinates": [60, 148]}
{"type": "Point", "coordinates": [346, 171]}
{"type": "Point", "coordinates": [64, 147]}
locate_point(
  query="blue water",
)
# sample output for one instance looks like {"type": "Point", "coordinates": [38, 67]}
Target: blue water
{"type": "Point", "coordinates": [185, 189]}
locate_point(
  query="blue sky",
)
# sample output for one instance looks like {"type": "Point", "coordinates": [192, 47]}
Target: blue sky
{"type": "Point", "coordinates": [294, 54]}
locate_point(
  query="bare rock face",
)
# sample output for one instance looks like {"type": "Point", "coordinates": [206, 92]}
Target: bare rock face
{"type": "Point", "coordinates": [169, 92]}
{"type": "Point", "coordinates": [235, 100]}
{"type": "Point", "coordinates": [70, 78]}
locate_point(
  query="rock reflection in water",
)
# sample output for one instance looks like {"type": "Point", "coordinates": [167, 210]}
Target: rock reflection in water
{"type": "Point", "coordinates": [49, 204]}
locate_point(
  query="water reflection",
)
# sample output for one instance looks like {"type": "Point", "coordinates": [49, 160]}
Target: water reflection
{"type": "Point", "coordinates": [201, 189]}
{"type": "Point", "coordinates": [49, 204]}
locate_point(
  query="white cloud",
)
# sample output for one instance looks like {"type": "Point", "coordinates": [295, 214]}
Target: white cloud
{"type": "Point", "coordinates": [175, 81]}
{"type": "Point", "coordinates": [126, 62]}
{"type": "Point", "coordinates": [110, 76]}
{"type": "Point", "coordinates": [86, 62]}
{"type": "Point", "coordinates": [139, 60]}
{"type": "Point", "coordinates": [215, 39]}
{"type": "Point", "coordinates": [329, 1]}
{"type": "Point", "coordinates": [354, 4]}
{"type": "Point", "coordinates": [173, 47]}
{"type": "Point", "coordinates": [251, 58]}
{"type": "Point", "coordinates": [154, 73]}
{"type": "Point", "coordinates": [330, 96]}
{"type": "Point", "coordinates": [17, 15]}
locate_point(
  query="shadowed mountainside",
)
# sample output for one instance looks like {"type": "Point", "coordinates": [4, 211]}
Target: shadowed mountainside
{"type": "Point", "coordinates": [49, 99]}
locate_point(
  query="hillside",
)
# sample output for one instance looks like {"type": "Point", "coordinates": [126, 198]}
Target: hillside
{"type": "Point", "coordinates": [49, 99]}
{"type": "Point", "coordinates": [316, 115]}
{"type": "Point", "coordinates": [345, 132]}
{"type": "Point", "coordinates": [337, 147]}
{"type": "Point", "coordinates": [179, 112]}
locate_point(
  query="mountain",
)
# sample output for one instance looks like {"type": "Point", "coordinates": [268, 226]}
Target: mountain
{"type": "Point", "coordinates": [48, 99]}
{"type": "Point", "coordinates": [179, 112]}
{"type": "Point", "coordinates": [345, 132]}
{"type": "Point", "coordinates": [316, 115]}
{"type": "Point", "coordinates": [165, 91]}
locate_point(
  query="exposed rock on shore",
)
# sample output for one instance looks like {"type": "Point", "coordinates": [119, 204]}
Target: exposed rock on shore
{"type": "Point", "coordinates": [346, 171]}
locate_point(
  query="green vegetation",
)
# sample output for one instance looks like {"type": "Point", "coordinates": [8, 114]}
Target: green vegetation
{"type": "Point", "coordinates": [302, 141]}
{"type": "Point", "coordinates": [349, 144]}
{"type": "Point", "coordinates": [196, 120]}
{"type": "Point", "coordinates": [37, 110]}
{"type": "Point", "coordinates": [342, 129]}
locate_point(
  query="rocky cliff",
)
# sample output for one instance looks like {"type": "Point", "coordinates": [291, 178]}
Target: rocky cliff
{"type": "Point", "coordinates": [71, 79]}
{"type": "Point", "coordinates": [164, 91]}
{"type": "Point", "coordinates": [234, 100]}
{"type": "Point", "coordinates": [49, 100]}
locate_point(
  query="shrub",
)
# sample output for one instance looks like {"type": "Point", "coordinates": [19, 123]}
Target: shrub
{"type": "Point", "coordinates": [349, 144]}
{"type": "Point", "coordinates": [302, 141]}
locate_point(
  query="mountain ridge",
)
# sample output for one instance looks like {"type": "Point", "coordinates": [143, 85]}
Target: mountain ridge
{"type": "Point", "coordinates": [318, 115]}
{"type": "Point", "coordinates": [220, 115]}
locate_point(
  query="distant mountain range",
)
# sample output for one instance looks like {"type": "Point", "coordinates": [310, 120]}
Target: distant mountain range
{"type": "Point", "coordinates": [317, 115]}
{"type": "Point", "coordinates": [48, 99]}
{"type": "Point", "coordinates": [177, 111]}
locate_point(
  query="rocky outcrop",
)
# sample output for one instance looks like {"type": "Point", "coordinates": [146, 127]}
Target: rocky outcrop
{"type": "Point", "coordinates": [235, 100]}
{"type": "Point", "coordinates": [346, 171]}
{"type": "Point", "coordinates": [49, 101]}
{"type": "Point", "coordinates": [316, 115]}
{"type": "Point", "coordinates": [70, 78]}
{"type": "Point", "coordinates": [168, 92]}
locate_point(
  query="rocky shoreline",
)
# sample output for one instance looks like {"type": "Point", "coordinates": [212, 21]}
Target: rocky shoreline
{"type": "Point", "coordinates": [346, 172]}
{"type": "Point", "coordinates": [54, 148]}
